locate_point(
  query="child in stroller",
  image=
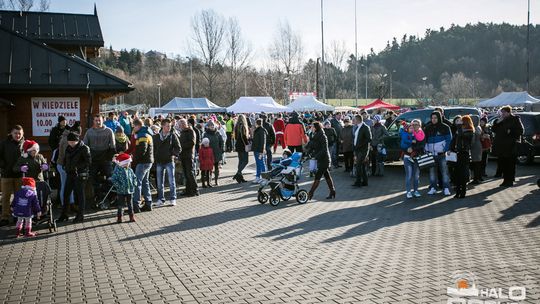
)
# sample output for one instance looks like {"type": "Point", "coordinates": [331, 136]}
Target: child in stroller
{"type": "Point", "coordinates": [282, 180]}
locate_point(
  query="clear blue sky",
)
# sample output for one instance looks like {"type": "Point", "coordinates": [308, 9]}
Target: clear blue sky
{"type": "Point", "coordinates": [164, 25]}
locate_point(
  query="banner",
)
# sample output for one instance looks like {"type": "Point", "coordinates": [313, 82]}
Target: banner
{"type": "Point", "coordinates": [46, 110]}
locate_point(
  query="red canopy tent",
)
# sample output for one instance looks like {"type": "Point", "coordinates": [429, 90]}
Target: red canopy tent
{"type": "Point", "coordinates": [377, 104]}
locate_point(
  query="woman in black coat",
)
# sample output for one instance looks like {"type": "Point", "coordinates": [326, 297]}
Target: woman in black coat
{"type": "Point", "coordinates": [318, 148]}
{"type": "Point", "coordinates": [461, 144]}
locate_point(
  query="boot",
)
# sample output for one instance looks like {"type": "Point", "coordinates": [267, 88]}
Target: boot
{"type": "Point", "coordinates": [119, 219]}
{"type": "Point", "coordinates": [208, 181]}
{"type": "Point", "coordinates": [63, 217]}
{"type": "Point", "coordinates": [330, 184]}
{"type": "Point", "coordinates": [29, 232]}
{"type": "Point", "coordinates": [314, 187]}
{"type": "Point", "coordinates": [216, 176]}
{"type": "Point", "coordinates": [242, 180]}
{"type": "Point", "coordinates": [19, 233]}
{"type": "Point", "coordinates": [203, 180]}
{"type": "Point", "coordinates": [79, 218]}
{"type": "Point", "coordinates": [132, 218]}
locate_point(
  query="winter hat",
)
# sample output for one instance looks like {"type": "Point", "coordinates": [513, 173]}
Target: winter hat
{"type": "Point", "coordinates": [123, 159]}
{"type": "Point", "coordinates": [377, 117]}
{"type": "Point", "coordinates": [29, 146]}
{"type": "Point", "coordinates": [61, 118]}
{"type": "Point", "coordinates": [29, 183]}
{"type": "Point", "coordinates": [73, 137]}
{"type": "Point", "coordinates": [205, 141]}
{"type": "Point", "coordinates": [119, 129]}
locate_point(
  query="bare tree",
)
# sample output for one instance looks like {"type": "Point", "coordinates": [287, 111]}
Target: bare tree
{"type": "Point", "coordinates": [336, 58]}
{"type": "Point", "coordinates": [25, 5]}
{"type": "Point", "coordinates": [208, 31]}
{"type": "Point", "coordinates": [287, 53]}
{"type": "Point", "coordinates": [238, 55]}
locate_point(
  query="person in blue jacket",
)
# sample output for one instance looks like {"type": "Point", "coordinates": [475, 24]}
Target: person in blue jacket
{"type": "Point", "coordinates": [438, 139]}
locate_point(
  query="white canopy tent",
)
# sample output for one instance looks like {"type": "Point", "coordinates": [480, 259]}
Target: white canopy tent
{"type": "Point", "coordinates": [513, 99]}
{"type": "Point", "coordinates": [190, 105]}
{"type": "Point", "coordinates": [309, 103]}
{"type": "Point", "coordinates": [258, 104]}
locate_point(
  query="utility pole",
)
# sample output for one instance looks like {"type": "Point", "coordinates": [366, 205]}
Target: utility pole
{"type": "Point", "coordinates": [355, 57]}
{"type": "Point", "coordinates": [317, 77]}
{"type": "Point", "coordinates": [190, 77]}
{"type": "Point", "coordinates": [322, 56]}
{"type": "Point", "coordinates": [528, 30]}
{"type": "Point", "coordinates": [159, 94]}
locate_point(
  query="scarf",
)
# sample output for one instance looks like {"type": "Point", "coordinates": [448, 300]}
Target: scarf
{"type": "Point", "coordinates": [120, 137]}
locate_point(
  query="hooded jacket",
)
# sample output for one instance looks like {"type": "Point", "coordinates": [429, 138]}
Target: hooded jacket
{"type": "Point", "coordinates": [216, 144]}
{"type": "Point", "coordinates": [34, 166]}
{"type": "Point", "coordinates": [438, 136]}
{"type": "Point", "coordinates": [124, 180]}
{"type": "Point", "coordinates": [25, 203]}
{"type": "Point", "coordinates": [165, 147]}
{"type": "Point", "coordinates": [144, 147]}
{"type": "Point", "coordinates": [77, 159]}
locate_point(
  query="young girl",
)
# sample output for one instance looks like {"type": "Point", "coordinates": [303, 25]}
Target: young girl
{"type": "Point", "coordinates": [25, 206]}
{"type": "Point", "coordinates": [124, 181]}
{"type": "Point", "coordinates": [206, 160]}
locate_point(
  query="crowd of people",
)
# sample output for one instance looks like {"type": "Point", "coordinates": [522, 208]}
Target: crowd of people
{"type": "Point", "coordinates": [127, 151]}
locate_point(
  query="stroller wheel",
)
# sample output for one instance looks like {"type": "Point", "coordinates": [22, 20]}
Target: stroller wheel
{"type": "Point", "coordinates": [274, 200]}
{"type": "Point", "coordinates": [302, 196]}
{"type": "Point", "coordinates": [262, 197]}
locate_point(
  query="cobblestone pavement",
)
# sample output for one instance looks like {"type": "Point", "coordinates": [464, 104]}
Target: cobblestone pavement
{"type": "Point", "coordinates": [369, 245]}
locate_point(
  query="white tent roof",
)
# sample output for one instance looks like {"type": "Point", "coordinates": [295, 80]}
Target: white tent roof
{"type": "Point", "coordinates": [190, 105]}
{"type": "Point", "coordinates": [346, 109]}
{"type": "Point", "coordinates": [514, 99]}
{"type": "Point", "coordinates": [309, 103]}
{"type": "Point", "coordinates": [259, 104]}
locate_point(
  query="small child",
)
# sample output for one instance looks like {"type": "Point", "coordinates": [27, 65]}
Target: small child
{"type": "Point", "coordinates": [124, 181]}
{"type": "Point", "coordinates": [25, 206]}
{"type": "Point", "coordinates": [206, 161]}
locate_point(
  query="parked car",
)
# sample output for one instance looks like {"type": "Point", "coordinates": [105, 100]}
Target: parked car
{"type": "Point", "coordinates": [531, 134]}
{"type": "Point", "coordinates": [392, 141]}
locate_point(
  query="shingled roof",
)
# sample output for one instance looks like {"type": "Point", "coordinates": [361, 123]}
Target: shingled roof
{"type": "Point", "coordinates": [27, 64]}
{"type": "Point", "coordinates": [55, 28]}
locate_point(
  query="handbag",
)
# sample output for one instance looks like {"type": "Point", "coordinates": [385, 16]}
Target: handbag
{"type": "Point", "coordinates": [312, 165]}
{"type": "Point", "coordinates": [248, 147]}
{"type": "Point", "coordinates": [451, 156]}
{"type": "Point", "coordinates": [425, 161]}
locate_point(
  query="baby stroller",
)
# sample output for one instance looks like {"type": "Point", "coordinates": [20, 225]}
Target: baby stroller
{"type": "Point", "coordinates": [282, 182]}
{"type": "Point", "coordinates": [106, 196]}
{"type": "Point", "coordinates": [43, 190]}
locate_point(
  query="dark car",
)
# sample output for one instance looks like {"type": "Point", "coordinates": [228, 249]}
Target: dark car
{"type": "Point", "coordinates": [392, 141]}
{"type": "Point", "coordinates": [531, 134]}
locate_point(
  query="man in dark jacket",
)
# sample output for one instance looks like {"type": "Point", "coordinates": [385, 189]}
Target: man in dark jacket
{"type": "Point", "coordinates": [166, 150]}
{"type": "Point", "coordinates": [56, 133]}
{"type": "Point", "coordinates": [143, 157]}
{"type": "Point", "coordinates": [257, 146]}
{"type": "Point", "coordinates": [270, 139]}
{"type": "Point", "coordinates": [187, 143]}
{"type": "Point", "coordinates": [77, 161]}
{"type": "Point", "coordinates": [10, 151]}
{"type": "Point", "coordinates": [361, 144]}
{"type": "Point", "coordinates": [508, 130]}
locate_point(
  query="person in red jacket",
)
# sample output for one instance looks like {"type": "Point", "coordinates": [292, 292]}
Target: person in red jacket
{"type": "Point", "coordinates": [279, 127]}
{"type": "Point", "coordinates": [295, 134]}
{"type": "Point", "coordinates": [206, 161]}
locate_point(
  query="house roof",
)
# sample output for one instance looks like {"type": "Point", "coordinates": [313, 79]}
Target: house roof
{"type": "Point", "coordinates": [29, 65]}
{"type": "Point", "coordinates": [55, 28]}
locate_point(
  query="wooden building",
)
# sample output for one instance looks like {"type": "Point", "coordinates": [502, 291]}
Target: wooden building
{"type": "Point", "coordinates": [44, 72]}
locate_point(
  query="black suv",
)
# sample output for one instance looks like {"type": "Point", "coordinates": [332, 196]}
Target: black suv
{"type": "Point", "coordinates": [392, 141]}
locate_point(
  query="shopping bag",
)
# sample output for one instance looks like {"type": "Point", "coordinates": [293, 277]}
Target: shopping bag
{"type": "Point", "coordinates": [425, 161]}
{"type": "Point", "coordinates": [451, 157]}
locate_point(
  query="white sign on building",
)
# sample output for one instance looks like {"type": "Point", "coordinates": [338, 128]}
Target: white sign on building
{"type": "Point", "coordinates": [46, 110]}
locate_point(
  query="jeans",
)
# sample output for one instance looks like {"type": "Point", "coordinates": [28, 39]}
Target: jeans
{"type": "Point", "coordinates": [124, 199]}
{"type": "Point", "coordinates": [76, 185]}
{"type": "Point", "coordinates": [63, 177]}
{"type": "Point", "coordinates": [243, 157]}
{"type": "Point", "coordinates": [334, 153]}
{"type": "Point", "coordinates": [412, 173]}
{"type": "Point", "coordinates": [440, 164]}
{"type": "Point", "coordinates": [260, 162]}
{"type": "Point", "coordinates": [361, 169]}
{"type": "Point", "coordinates": [268, 156]}
{"type": "Point", "coordinates": [160, 171]}
{"type": "Point", "coordinates": [142, 171]}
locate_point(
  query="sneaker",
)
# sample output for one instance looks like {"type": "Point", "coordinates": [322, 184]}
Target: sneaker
{"type": "Point", "coordinates": [172, 202]}
{"type": "Point", "coordinates": [409, 194]}
{"type": "Point", "coordinates": [432, 191]}
{"type": "Point", "coordinates": [446, 191]}
{"type": "Point", "coordinates": [159, 203]}
{"type": "Point", "coordinates": [256, 181]}
{"type": "Point", "coordinates": [417, 194]}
